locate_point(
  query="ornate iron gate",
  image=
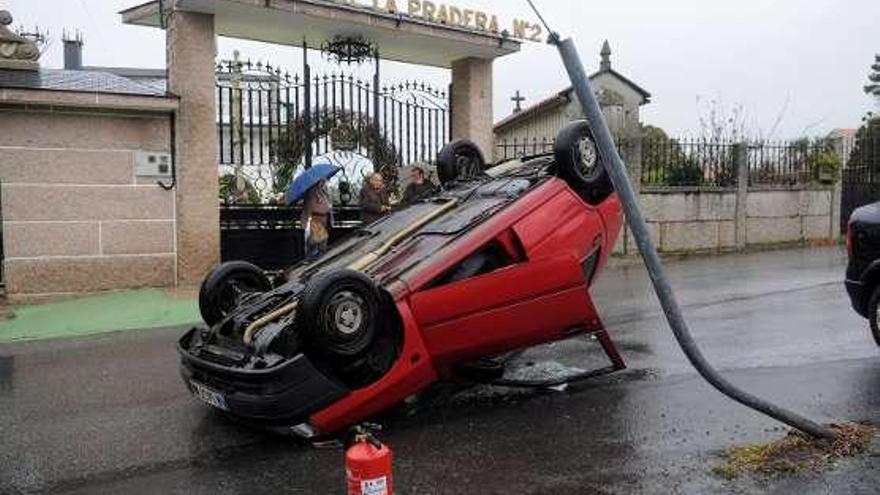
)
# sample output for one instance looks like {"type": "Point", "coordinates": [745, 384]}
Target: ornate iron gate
{"type": "Point", "coordinates": [270, 123]}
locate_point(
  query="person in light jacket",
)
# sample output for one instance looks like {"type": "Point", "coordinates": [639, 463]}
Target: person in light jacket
{"type": "Point", "coordinates": [315, 219]}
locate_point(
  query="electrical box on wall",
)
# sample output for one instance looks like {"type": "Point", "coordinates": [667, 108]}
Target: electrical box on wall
{"type": "Point", "coordinates": [152, 164]}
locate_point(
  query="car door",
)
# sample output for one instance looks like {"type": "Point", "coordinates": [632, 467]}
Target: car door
{"type": "Point", "coordinates": [508, 308]}
{"type": "Point", "coordinates": [537, 295]}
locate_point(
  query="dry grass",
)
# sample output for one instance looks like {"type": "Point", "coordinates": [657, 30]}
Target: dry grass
{"type": "Point", "coordinates": [795, 452]}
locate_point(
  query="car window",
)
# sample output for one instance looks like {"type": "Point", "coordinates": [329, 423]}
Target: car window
{"type": "Point", "coordinates": [490, 258]}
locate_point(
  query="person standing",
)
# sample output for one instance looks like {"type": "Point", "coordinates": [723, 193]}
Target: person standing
{"type": "Point", "coordinates": [316, 219]}
{"type": "Point", "coordinates": [373, 201]}
{"type": "Point", "coordinates": [419, 186]}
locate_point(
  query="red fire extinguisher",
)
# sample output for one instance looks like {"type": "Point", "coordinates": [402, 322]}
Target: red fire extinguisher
{"type": "Point", "coordinates": [367, 465]}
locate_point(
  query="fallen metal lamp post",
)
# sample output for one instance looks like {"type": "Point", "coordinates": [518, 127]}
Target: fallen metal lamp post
{"type": "Point", "coordinates": [615, 167]}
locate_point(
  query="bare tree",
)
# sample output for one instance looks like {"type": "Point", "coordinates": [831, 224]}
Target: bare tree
{"type": "Point", "coordinates": [722, 123]}
{"type": "Point", "coordinates": [718, 122]}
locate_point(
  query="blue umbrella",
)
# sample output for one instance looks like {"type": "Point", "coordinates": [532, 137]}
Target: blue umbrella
{"type": "Point", "coordinates": [308, 178]}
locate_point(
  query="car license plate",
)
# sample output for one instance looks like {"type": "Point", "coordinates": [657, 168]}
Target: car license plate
{"type": "Point", "coordinates": [209, 396]}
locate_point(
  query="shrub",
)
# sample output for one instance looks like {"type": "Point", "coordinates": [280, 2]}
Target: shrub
{"type": "Point", "coordinates": [684, 173]}
{"type": "Point", "coordinates": [825, 167]}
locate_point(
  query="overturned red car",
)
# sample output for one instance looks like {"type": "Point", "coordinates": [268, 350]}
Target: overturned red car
{"type": "Point", "coordinates": [499, 259]}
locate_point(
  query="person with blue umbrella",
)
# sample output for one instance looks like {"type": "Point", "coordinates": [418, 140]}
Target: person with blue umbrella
{"type": "Point", "coordinates": [311, 185]}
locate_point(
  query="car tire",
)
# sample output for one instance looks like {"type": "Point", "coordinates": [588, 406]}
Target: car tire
{"type": "Point", "coordinates": [338, 313]}
{"type": "Point", "coordinates": [874, 314]}
{"type": "Point", "coordinates": [578, 163]}
{"type": "Point", "coordinates": [460, 159]}
{"type": "Point", "coordinates": [226, 285]}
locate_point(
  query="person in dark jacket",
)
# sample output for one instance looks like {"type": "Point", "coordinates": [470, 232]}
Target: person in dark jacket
{"type": "Point", "coordinates": [419, 186]}
{"type": "Point", "coordinates": [373, 199]}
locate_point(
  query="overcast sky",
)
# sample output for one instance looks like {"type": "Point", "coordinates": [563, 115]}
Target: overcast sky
{"type": "Point", "coordinates": [803, 60]}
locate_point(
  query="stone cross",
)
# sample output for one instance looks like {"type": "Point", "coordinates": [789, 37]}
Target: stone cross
{"type": "Point", "coordinates": [517, 99]}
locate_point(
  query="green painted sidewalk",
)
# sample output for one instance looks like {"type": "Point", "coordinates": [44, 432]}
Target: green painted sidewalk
{"type": "Point", "coordinates": [136, 309]}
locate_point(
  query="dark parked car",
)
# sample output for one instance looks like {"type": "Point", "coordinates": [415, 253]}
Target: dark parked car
{"type": "Point", "coordinates": [499, 260]}
{"type": "Point", "coordinates": [863, 270]}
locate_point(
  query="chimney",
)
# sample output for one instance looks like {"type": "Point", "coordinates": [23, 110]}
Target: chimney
{"type": "Point", "coordinates": [73, 52]}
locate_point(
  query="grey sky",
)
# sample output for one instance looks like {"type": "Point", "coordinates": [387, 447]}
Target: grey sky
{"type": "Point", "coordinates": [761, 54]}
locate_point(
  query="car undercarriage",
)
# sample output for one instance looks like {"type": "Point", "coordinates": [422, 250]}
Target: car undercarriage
{"type": "Point", "coordinates": [334, 340]}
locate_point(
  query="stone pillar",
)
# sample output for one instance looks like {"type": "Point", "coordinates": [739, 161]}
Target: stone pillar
{"type": "Point", "coordinates": [471, 103]}
{"type": "Point", "coordinates": [842, 148]}
{"type": "Point", "coordinates": [634, 160]}
{"type": "Point", "coordinates": [191, 48]}
{"type": "Point", "coordinates": [741, 162]}
{"type": "Point", "coordinates": [630, 148]}
{"type": "Point", "coordinates": [834, 234]}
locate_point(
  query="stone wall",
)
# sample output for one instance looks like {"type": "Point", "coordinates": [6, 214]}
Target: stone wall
{"type": "Point", "coordinates": [691, 221]}
{"type": "Point", "coordinates": [783, 216]}
{"type": "Point", "coordinates": [688, 221]}
{"type": "Point", "coordinates": [75, 216]}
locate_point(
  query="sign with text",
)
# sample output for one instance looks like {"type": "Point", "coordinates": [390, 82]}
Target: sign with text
{"type": "Point", "coordinates": [453, 15]}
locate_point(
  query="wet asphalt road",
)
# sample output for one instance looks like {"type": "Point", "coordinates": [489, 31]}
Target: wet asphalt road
{"type": "Point", "coordinates": [109, 414]}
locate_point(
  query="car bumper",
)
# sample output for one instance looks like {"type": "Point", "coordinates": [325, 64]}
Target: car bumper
{"type": "Point", "coordinates": [282, 396]}
{"type": "Point", "coordinates": [858, 296]}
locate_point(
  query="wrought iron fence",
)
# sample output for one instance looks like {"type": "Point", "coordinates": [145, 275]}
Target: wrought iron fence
{"type": "Point", "coordinates": [791, 164]}
{"type": "Point", "coordinates": [519, 148]}
{"type": "Point", "coordinates": [668, 162]}
{"type": "Point", "coordinates": [688, 163]}
{"type": "Point", "coordinates": [523, 148]}
{"type": "Point", "coordinates": [270, 122]}
{"type": "Point", "coordinates": [665, 163]}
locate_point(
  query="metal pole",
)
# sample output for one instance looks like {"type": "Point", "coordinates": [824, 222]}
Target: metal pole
{"type": "Point", "coordinates": [307, 102]}
{"type": "Point", "coordinates": [614, 165]}
{"type": "Point", "coordinates": [377, 133]}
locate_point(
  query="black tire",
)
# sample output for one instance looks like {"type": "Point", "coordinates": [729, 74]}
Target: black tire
{"type": "Point", "coordinates": [226, 285]}
{"type": "Point", "coordinates": [460, 159]}
{"type": "Point", "coordinates": [873, 316]}
{"type": "Point", "coordinates": [339, 313]}
{"type": "Point", "coordinates": [578, 163]}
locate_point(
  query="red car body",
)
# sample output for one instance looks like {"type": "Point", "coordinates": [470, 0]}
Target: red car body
{"type": "Point", "coordinates": [552, 243]}
{"type": "Point", "coordinates": [540, 298]}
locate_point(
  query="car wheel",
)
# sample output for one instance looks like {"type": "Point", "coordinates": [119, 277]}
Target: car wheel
{"type": "Point", "coordinates": [579, 164]}
{"type": "Point", "coordinates": [225, 287]}
{"type": "Point", "coordinates": [874, 314]}
{"type": "Point", "coordinates": [339, 311]}
{"type": "Point", "coordinates": [460, 159]}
